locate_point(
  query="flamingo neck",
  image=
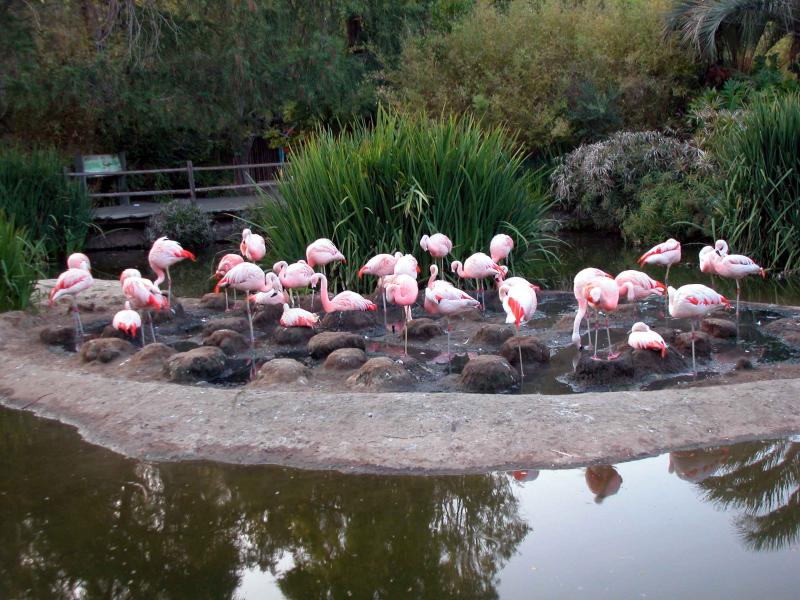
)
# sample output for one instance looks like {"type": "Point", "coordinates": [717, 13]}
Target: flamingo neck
{"type": "Point", "coordinates": [323, 293]}
{"type": "Point", "coordinates": [434, 275]}
{"type": "Point", "coordinates": [576, 326]}
{"type": "Point", "coordinates": [160, 275]}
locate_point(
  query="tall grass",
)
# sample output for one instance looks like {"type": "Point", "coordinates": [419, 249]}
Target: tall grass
{"type": "Point", "coordinates": [761, 158]}
{"type": "Point", "coordinates": [20, 265]}
{"type": "Point", "coordinates": [35, 193]}
{"type": "Point", "coordinates": [380, 188]}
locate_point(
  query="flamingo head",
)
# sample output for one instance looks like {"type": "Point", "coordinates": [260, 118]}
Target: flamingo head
{"type": "Point", "coordinates": [246, 233]}
{"type": "Point", "coordinates": [279, 266]}
{"type": "Point", "coordinates": [423, 243]}
{"type": "Point", "coordinates": [129, 273]}
{"type": "Point", "coordinates": [362, 271]}
{"type": "Point", "coordinates": [721, 246]}
{"type": "Point", "coordinates": [640, 327]}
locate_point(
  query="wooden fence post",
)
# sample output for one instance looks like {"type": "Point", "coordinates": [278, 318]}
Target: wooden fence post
{"type": "Point", "coordinates": [190, 173]}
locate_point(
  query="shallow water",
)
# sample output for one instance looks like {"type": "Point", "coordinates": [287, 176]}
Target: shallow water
{"type": "Point", "coordinates": [77, 521]}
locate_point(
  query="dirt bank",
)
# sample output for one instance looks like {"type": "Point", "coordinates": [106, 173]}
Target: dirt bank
{"type": "Point", "coordinates": [380, 432]}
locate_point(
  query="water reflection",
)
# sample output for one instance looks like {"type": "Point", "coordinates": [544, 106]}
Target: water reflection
{"type": "Point", "coordinates": [603, 481]}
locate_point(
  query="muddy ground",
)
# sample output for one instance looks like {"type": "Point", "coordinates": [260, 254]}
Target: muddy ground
{"type": "Point", "coordinates": [376, 431]}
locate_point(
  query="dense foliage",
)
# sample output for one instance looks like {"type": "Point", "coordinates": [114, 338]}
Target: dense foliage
{"type": "Point", "coordinates": [182, 221]}
{"type": "Point", "coordinates": [379, 189]}
{"type": "Point", "coordinates": [553, 72]}
{"type": "Point", "coordinates": [34, 191]}
{"type": "Point", "coordinates": [20, 265]}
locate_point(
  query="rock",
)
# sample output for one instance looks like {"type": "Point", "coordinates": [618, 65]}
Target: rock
{"type": "Point", "coordinates": [235, 323]}
{"type": "Point", "coordinates": [201, 364]}
{"type": "Point", "coordinates": [58, 336]}
{"type": "Point", "coordinates": [109, 331]}
{"type": "Point", "coordinates": [787, 329]}
{"type": "Point", "coordinates": [214, 301]}
{"type": "Point", "coordinates": [283, 370]}
{"type": "Point", "coordinates": [602, 371]}
{"type": "Point", "coordinates": [493, 334]}
{"type": "Point", "coordinates": [423, 329]}
{"type": "Point", "coordinates": [647, 362]}
{"type": "Point", "coordinates": [152, 354]}
{"type": "Point", "coordinates": [743, 364]}
{"type": "Point", "coordinates": [165, 316]}
{"type": "Point", "coordinates": [458, 362]}
{"type": "Point", "coordinates": [351, 320]}
{"type": "Point", "coordinates": [324, 343]}
{"type": "Point", "coordinates": [718, 328]}
{"type": "Point", "coordinates": [345, 359]}
{"type": "Point", "coordinates": [293, 336]}
{"type": "Point", "coordinates": [184, 345]}
{"type": "Point", "coordinates": [105, 350]}
{"type": "Point", "coordinates": [533, 351]}
{"type": "Point", "coordinates": [473, 314]}
{"type": "Point", "coordinates": [268, 317]}
{"type": "Point", "coordinates": [227, 340]}
{"type": "Point", "coordinates": [380, 374]}
{"type": "Point", "coordinates": [488, 373]}
{"type": "Point", "coordinates": [702, 343]}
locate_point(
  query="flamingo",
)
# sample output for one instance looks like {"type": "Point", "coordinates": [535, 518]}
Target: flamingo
{"type": "Point", "coordinates": [162, 256]}
{"type": "Point", "coordinates": [226, 263]}
{"type": "Point", "coordinates": [664, 254]}
{"type": "Point", "coordinates": [297, 317]}
{"type": "Point", "coordinates": [271, 298]}
{"type": "Point", "coordinates": [380, 266]}
{"type": "Point", "coordinates": [322, 252]}
{"type": "Point", "coordinates": [437, 245]}
{"type": "Point", "coordinates": [583, 277]}
{"type": "Point", "coordinates": [694, 301]}
{"type": "Point", "coordinates": [343, 301]}
{"type": "Point", "coordinates": [500, 247]}
{"type": "Point", "coordinates": [519, 302]}
{"type": "Point", "coordinates": [252, 246]}
{"type": "Point", "coordinates": [513, 280]}
{"type": "Point", "coordinates": [707, 256]}
{"type": "Point", "coordinates": [78, 260]}
{"type": "Point", "coordinates": [402, 290]}
{"type": "Point", "coordinates": [406, 265]}
{"type": "Point", "coordinates": [643, 338]}
{"type": "Point", "coordinates": [142, 294]}
{"type": "Point", "coordinates": [737, 267]}
{"type": "Point", "coordinates": [249, 277]}
{"type": "Point", "coordinates": [128, 321]}
{"type": "Point", "coordinates": [69, 284]}
{"type": "Point", "coordinates": [635, 285]}
{"type": "Point", "coordinates": [602, 294]}
{"type": "Point", "coordinates": [478, 267]}
{"type": "Point", "coordinates": [295, 275]}
{"type": "Point", "coordinates": [443, 298]}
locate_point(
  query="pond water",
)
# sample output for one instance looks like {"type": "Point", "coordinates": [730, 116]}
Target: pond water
{"type": "Point", "coordinates": [77, 521]}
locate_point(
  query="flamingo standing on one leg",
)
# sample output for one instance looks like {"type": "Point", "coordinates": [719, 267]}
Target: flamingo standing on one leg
{"type": "Point", "coordinates": [162, 256]}
{"type": "Point", "coordinates": [344, 301]}
{"type": "Point", "coordinates": [478, 267]}
{"type": "Point", "coordinates": [128, 321]}
{"type": "Point", "coordinates": [437, 245]}
{"type": "Point", "coordinates": [602, 294]}
{"type": "Point", "coordinates": [641, 337]}
{"type": "Point", "coordinates": [519, 302]}
{"type": "Point", "coordinates": [249, 277]}
{"type": "Point", "coordinates": [293, 276]}
{"type": "Point", "coordinates": [69, 284]}
{"type": "Point", "coordinates": [443, 298]}
{"type": "Point", "coordinates": [253, 247]}
{"type": "Point", "coordinates": [694, 301]}
{"type": "Point", "coordinates": [583, 277]}
{"type": "Point", "coordinates": [78, 260]}
{"type": "Point", "coordinates": [737, 267]}
{"type": "Point", "coordinates": [298, 317]}
{"type": "Point", "coordinates": [381, 266]}
{"type": "Point", "coordinates": [665, 254]}
{"type": "Point", "coordinates": [226, 263]}
{"type": "Point", "coordinates": [500, 247]}
{"type": "Point", "coordinates": [143, 294]}
{"type": "Point", "coordinates": [322, 252]}
{"type": "Point", "coordinates": [635, 286]}
{"type": "Point", "coordinates": [403, 290]}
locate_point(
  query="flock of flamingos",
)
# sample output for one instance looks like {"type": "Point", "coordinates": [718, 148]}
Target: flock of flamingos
{"type": "Point", "coordinates": [397, 284]}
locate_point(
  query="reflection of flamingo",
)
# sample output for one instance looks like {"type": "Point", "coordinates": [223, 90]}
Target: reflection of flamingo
{"type": "Point", "coordinates": [252, 246]}
{"type": "Point", "coordinates": [298, 317]}
{"type": "Point", "coordinates": [665, 254]}
{"type": "Point", "coordinates": [603, 481]}
{"type": "Point", "coordinates": [296, 275]}
{"type": "Point", "coordinates": [128, 321]}
{"type": "Point", "coordinates": [437, 245]}
{"type": "Point", "coordinates": [478, 267]}
{"type": "Point", "coordinates": [226, 263]}
{"type": "Point", "coordinates": [162, 256]}
{"type": "Point", "coordinates": [249, 277]}
{"type": "Point", "coordinates": [403, 290]}
{"type": "Point", "coordinates": [735, 266]}
{"type": "Point", "coordinates": [143, 294]}
{"type": "Point", "coordinates": [500, 247]}
{"type": "Point", "coordinates": [68, 285]}
{"type": "Point", "coordinates": [519, 302]}
{"type": "Point", "coordinates": [343, 301]}
{"type": "Point", "coordinates": [583, 277]}
{"type": "Point", "coordinates": [697, 465]}
{"type": "Point", "coordinates": [694, 301]}
{"type": "Point", "coordinates": [643, 338]}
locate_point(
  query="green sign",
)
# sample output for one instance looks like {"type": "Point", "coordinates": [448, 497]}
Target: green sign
{"type": "Point", "coordinates": [102, 163]}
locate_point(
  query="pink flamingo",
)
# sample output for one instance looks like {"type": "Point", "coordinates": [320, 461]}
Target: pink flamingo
{"type": "Point", "coordinates": [437, 245]}
{"type": "Point", "coordinates": [478, 267]}
{"type": "Point", "coordinates": [737, 267]}
{"type": "Point", "coordinates": [407, 265]}
{"type": "Point", "coordinates": [226, 263]}
{"type": "Point", "coordinates": [78, 260]}
{"type": "Point", "coordinates": [583, 277]}
{"type": "Point", "coordinates": [128, 321]}
{"type": "Point", "coordinates": [271, 298]}
{"type": "Point", "coordinates": [249, 277]}
{"type": "Point", "coordinates": [519, 303]}
{"type": "Point", "coordinates": [322, 252]}
{"type": "Point", "coordinates": [708, 256]}
{"type": "Point", "coordinates": [500, 247]}
{"type": "Point", "coordinates": [253, 247]}
{"type": "Point", "coordinates": [381, 266]}
{"type": "Point", "coordinates": [694, 301]}
{"type": "Point", "coordinates": [343, 301]}
{"type": "Point", "coordinates": [297, 317]}
{"type": "Point", "coordinates": [643, 338]}
{"type": "Point", "coordinates": [69, 284]}
{"type": "Point", "coordinates": [443, 298]}
{"type": "Point", "coordinates": [635, 286]}
{"type": "Point", "coordinates": [295, 275]}
{"type": "Point", "coordinates": [143, 294]}
{"type": "Point", "coordinates": [513, 280]}
{"type": "Point", "coordinates": [602, 294]}
{"type": "Point", "coordinates": [163, 255]}
{"type": "Point", "coordinates": [403, 290]}
{"type": "Point", "coordinates": [664, 254]}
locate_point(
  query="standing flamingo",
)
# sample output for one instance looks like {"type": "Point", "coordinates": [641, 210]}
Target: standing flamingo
{"type": "Point", "coordinates": [69, 284]}
{"type": "Point", "coordinates": [583, 277]}
{"type": "Point", "coordinates": [635, 286]}
{"type": "Point", "coordinates": [478, 267]}
{"type": "Point", "coordinates": [293, 276]}
{"type": "Point", "coordinates": [128, 321]}
{"type": "Point", "coordinates": [694, 301]}
{"type": "Point", "coordinates": [343, 301]}
{"type": "Point", "coordinates": [298, 317]}
{"type": "Point", "coordinates": [437, 245]}
{"type": "Point", "coordinates": [249, 277]}
{"type": "Point", "coordinates": [142, 294]}
{"type": "Point", "coordinates": [500, 247]}
{"type": "Point", "coordinates": [602, 294]}
{"type": "Point", "coordinates": [664, 254]}
{"type": "Point", "coordinates": [519, 302]}
{"type": "Point", "coordinates": [226, 263]}
{"type": "Point", "coordinates": [77, 260]}
{"type": "Point", "coordinates": [403, 290]}
{"type": "Point", "coordinates": [380, 266]}
{"type": "Point", "coordinates": [407, 265]}
{"type": "Point", "coordinates": [252, 246]}
{"type": "Point", "coordinates": [643, 338]}
{"type": "Point", "coordinates": [443, 298]}
{"type": "Point", "coordinates": [322, 252]}
{"type": "Point", "coordinates": [737, 267]}
{"type": "Point", "coordinates": [499, 281]}
{"type": "Point", "coordinates": [163, 255]}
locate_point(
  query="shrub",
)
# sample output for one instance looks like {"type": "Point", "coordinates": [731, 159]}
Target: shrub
{"type": "Point", "coordinates": [553, 72]}
{"type": "Point", "coordinates": [760, 214]}
{"type": "Point", "coordinates": [182, 221]}
{"type": "Point", "coordinates": [600, 182]}
{"type": "Point", "coordinates": [379, 189]}
{"type": "Point", "coordinates": [20, 265]}
{"type": "Point", "coordinates": [34, 191]}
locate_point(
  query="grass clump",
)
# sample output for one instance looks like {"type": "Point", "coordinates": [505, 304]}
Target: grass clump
{"type": "Point", "coordinates": [20, 265]}
{"type": "Point", "coordinates": [380, 188]}
{"type": "Point", "coordinates": [181, 221]}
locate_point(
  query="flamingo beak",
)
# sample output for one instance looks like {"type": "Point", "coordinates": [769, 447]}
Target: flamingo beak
{"type": "Point", "coordinates": [361, 271]}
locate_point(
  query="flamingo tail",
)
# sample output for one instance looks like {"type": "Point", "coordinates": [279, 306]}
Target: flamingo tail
{"type": "Point", "coordinates": [516, 310]}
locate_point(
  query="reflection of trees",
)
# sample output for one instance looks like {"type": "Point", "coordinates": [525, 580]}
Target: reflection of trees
{"type": "Point", "coordinates": [762, 480]}
{"type": "Point", "coordinates": [77, 521]}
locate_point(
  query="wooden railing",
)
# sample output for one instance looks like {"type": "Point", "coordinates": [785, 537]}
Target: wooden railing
{"type": "Point", "coordinates": [191, 191]}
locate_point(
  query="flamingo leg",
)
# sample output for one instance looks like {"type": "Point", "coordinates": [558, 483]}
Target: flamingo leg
{"type": "Point", "coordinates": [144, 342]}
{"type": "Point", "coordinates": [666, 296]}
{"type": "Point", "coordinates": [608, 332]}
{"type": "Point", "coordinates": [313, 291]}
{"type": "Point", "coordinates": [169, 290]}
{"type": "Point", "coordinates": [448, 345]}
{"type": "Point", "coordinates": [738, 292]}
{"type": "Point", "coordinates": [152, 329]}
{"type": "Point", "coordinates": [596, 333]}
{"type": "Point", "coordinates": [405, 337]}
{"type": "Point", "coordinates": [521, 370]}
{"type": "Point", "coordinates": [383, 298]}
{"type": "Point", "coordinates": [227, 308]}
{"type": "Point", "coordinates": [76, 324]}
{"type": "Point", "coordinates": [694, 362]}
{"type": "Point", "coordinates": [250, 322]}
